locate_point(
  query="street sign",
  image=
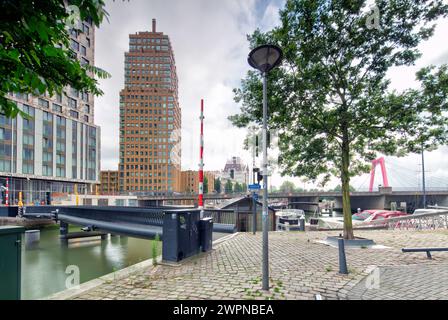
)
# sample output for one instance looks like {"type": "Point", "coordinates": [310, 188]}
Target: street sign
{"type": "Point", "coordinates": [254, 187]}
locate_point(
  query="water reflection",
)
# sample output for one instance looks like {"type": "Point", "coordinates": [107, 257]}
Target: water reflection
{"type": "Point", "coordinates": [44, 264]}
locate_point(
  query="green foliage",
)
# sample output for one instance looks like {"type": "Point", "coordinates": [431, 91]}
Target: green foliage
{"type": "Point", "coordinates": [228, 187]}
{"type": "Point", "coordinates": [338, 188]}
{"type": "Point", "coordinates": [237, 188]}
{"type": "Point", "coordinates": [155, 249]}
{"type": "Point", "coordinates": [35, 55]}
{"type": "Point", "coordinates": [218, 185]}
{"type": "Point", "coordinates": [287, 186]}
{"type": "Point", "coordinates": [330, 100]}
{"type": "Point", "coordinates": [205, 184]}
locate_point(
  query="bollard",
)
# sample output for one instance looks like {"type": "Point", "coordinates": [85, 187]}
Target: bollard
{"type": "Point", "coordinates": [63, 229]}
{"type": "Point", "coordinates": [342, 260]}
{"type": "Point", "coordinates": [302, 223]}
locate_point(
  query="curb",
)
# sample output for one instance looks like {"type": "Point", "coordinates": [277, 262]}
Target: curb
{"type": "Point", "coordinates": [117, 275]}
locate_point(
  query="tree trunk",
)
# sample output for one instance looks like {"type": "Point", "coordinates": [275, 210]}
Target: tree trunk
{"type": "Point", "coordinates": [345, 179]}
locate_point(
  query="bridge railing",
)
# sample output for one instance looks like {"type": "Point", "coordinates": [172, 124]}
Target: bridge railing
{"type": "Point", "coordinates": [424, 221]}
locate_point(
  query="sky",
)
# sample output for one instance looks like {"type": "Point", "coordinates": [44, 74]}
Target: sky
{"type": "Point", "coordinates": [210, 48]}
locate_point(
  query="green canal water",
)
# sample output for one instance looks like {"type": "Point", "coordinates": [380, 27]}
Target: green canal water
{"type": "Point", "coordinates": [44, 265]}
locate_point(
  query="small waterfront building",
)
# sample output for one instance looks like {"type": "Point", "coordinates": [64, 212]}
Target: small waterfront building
{"type": "Point", "coordinates": [242, 206]}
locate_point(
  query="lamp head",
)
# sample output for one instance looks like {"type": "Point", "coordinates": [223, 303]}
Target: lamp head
{"type": "Point", "coordinates": [265, 57]}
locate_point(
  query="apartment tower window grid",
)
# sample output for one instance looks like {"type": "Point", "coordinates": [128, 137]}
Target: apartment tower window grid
{"type": "Point", "coordinates": [150, 116]}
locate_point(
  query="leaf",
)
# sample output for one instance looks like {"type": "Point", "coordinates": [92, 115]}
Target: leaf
{"type": "Point", "coordinates": [35, 57]}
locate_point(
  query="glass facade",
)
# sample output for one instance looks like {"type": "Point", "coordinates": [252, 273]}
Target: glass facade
{"type": "Point", "coordinates": [57, 146]}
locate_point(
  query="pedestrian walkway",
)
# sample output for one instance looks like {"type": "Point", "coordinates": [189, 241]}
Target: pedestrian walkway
{"type": "Point", "coordinates": [300, 268]}
{"type": "Point", "coordinates": [404, 283]}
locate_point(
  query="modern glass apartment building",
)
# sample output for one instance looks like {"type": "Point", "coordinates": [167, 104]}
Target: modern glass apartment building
{"type": "Point", "coordinates": [57, 150]}
{"type": "Point", "coordinates": [150, 117]}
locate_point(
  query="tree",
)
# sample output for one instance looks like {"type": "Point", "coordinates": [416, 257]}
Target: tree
{"type": "Point", "coordinates": [330, 100]}
{"type": "Point", "coordinates": [338, 188]}
{"type": "Point", "coordinates": [287, 186]}
{"type": "Point", "coordinates": [35, 54]}
{"type": "Point", "coordinates": [218, 185]}
{"type": "Point", "coordinates": [228, 187]}
{"type": "Point", "coordinates": [238, 188]}
{"type": "Point", "coordinates": [205, 185]}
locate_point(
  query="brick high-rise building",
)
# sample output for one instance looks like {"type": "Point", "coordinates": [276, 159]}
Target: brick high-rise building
{"type": "Point", "coordinates": [190, 181]}
{"type": "Point", "coordinates": [109, 182]}
{"type": "Point", "coordinates": [150, 116]}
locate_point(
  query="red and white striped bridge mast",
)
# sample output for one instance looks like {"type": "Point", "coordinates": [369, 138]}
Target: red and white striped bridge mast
{"type": "Point", "coordinates": [201, 161]}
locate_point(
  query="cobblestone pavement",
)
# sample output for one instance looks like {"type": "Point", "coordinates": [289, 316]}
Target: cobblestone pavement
{"type": "Point", "coordinates": [300, 268]}
{"type": "Point", "coordinates": [403, 283]}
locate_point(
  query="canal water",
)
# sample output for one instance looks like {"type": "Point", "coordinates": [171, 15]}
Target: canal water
{"type": "Point", "coordinates": [47, 265]}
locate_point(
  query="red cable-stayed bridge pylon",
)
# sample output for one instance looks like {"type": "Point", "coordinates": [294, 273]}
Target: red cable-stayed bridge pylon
{"type": "Point", "coordinates": [381, 162]}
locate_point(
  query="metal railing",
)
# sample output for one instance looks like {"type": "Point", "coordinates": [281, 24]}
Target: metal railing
{"type": "Point", "coordinates": [424, 221]}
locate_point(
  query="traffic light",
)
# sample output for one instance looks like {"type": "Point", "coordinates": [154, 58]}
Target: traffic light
{"type": "Point", "coordinates": [259, 177]}
{"type": "Point", "coordinates": [256, 146]}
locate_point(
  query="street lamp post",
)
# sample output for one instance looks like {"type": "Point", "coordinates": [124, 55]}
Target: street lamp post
{"type": "Point", "coordinates": [264, 58]}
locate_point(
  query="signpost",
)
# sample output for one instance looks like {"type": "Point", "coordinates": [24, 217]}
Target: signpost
{"type": "Point", "coordinates": [254, 188]}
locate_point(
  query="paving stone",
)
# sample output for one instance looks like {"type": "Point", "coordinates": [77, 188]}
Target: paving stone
{"type": "Point", "coordinates": [300, 268]}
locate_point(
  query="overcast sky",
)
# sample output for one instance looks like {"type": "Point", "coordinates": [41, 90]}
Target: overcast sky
{"type": "Point", "coordinates": [210, 47]}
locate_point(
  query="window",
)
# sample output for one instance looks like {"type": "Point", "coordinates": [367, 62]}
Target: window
{"type": "Point", "coordinates": [85, 96]}
{"type": "Point", "coordinates": [74, 33]}
{"type": "Point", "coordinates": [47, 170]}
{"type": "Point", "coordinates": [48, 116]}
{"type": "Point", "coordinates": [86, 118]}
{"type": "Point", "coordinates": [57, 107]}
{"type": "Point", "coordinates": [74, 45]}
{"type": "Point", "coordinates": [59, 97]}
{"type": "Point", "coordinates": [28, 110]}
{"type": "Point", "coordinates": [60, 121]}
{"type": "Point", "coordinates": [47, 157]}
{"type": "Point", "coordinates": [28, 168]}
{"type": "Point", "coordinates": [60, 146]}
{"type": "Point", "coordinates": [83, 50]}
{"type": "Point", "coordinates": [60, 172]}
{"type": "Point", "coordinates": [87, 108]}
{"type": "Point", "coordinates": [84, 61]}
{"type": "Point", "coordinates": [47, 143]}
{"type": "Point", "coordinates": [60, 159]}
{"type": "Point", "coordinates": [23, 96]}
{"type": "Point", "coordinates": [43, 103]}
{"type": "Point", "coordinates": [88, 42]}
{"type": "Point", "coordinates": [28, 139]}
{"type": "Point", "coordinates": [28, 154]}
{"type": "Point", "coordinates": [74, 114]}
{"type": "Point", "coordinates": [72, 103]}
{"type": "Point", "coordinates": [74, 92]}
{"type": "Point", "coordinates": [85, 29]}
